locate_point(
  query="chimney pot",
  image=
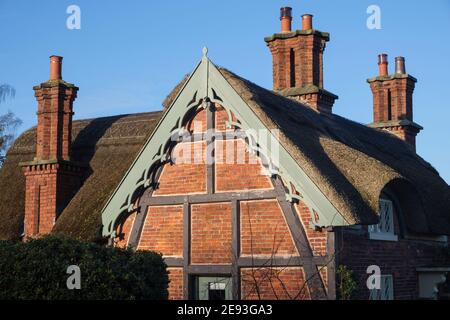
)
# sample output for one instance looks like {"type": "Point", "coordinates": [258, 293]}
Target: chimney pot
{"type": "Point", "coordinates": [307, 22]}
{"type": "Point", "coordinates": [286, 19]}
{"type": "Point", "coordinates": [55, 67]}
{"type": "Point", "coordinates": [383, 64]}
{"type": "Point", "coordinates": [400, 65]}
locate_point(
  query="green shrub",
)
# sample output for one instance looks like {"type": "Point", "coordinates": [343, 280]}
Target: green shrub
{"type": "Point", "coordinates": [37, 269]}
{"type": "Point", "coordinates": [346, 283]}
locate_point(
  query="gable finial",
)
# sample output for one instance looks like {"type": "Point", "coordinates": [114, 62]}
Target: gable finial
{"type": "Point", "coordinates": [205, 52]}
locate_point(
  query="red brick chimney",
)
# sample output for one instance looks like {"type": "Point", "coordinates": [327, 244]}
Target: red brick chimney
{"type": "Point", "coordinates": [298, 62]}
{"type": "Point", "coordinates": [51, 178]}
{"type": "Point", "coordinates": [393, 100]}
{"type": "Point", "coordinates": [55, 99]}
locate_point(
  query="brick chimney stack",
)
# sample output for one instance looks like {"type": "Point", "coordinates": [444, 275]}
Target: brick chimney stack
{"type": "Point", "coordinates": [393, 100]}
{"type": "Point", "coordinates": [298, 63]}
{"type": "Point", "coordinates": [51, 178]}
{"type": "Point", "coordinates": [55, 100]}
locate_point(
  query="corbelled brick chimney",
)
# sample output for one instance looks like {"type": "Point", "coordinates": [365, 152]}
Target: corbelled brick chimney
{"type": "Point", "coordinates": [55, 99]}
{"type": "Point", "coordinates": [51, 178]}
{"type": "Point", "coordinates": [298, 62]}
{"type": "Point", "coordinates": [393, 100]}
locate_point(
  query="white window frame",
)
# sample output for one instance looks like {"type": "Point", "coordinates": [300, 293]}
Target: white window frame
{"type": "Point", "coordinates": [385, 229]}
{"type": "Point", "coordinates": [386, 291]}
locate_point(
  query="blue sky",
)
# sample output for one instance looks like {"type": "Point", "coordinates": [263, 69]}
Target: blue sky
{"type": "Point", "coordinates": [128, 55]}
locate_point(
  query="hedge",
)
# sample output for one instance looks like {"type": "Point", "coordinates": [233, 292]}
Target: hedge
{"type": "Point", "coordinates": [37, 269]}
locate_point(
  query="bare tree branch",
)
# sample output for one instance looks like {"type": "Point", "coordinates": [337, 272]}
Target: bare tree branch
{"type": "Point", "coordinates": [8, 122]}
{"type": "Point", "coordinates": [6, 91]}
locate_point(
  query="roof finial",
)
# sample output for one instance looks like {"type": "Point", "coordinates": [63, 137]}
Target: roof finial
{"type": "Point", "coordinates": [205, 52]}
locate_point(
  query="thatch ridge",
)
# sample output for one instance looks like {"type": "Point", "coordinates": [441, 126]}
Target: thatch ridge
{"type": "Point", "coordinates": [173, 94]}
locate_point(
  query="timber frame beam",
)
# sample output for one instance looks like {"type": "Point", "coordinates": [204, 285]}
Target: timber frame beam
{"type": "Point", "coordinates": [205, 86]}
{"type": "Point", "coordinates": [310, 263]}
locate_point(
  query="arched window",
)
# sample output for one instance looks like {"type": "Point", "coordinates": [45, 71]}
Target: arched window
{"type": "Point", "coordinates": [385, 229]}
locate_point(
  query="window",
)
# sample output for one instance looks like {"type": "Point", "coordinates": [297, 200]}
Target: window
{"type": "Point", "coordinates": [216, 290]}
{"type": "Point", "coordinates": [434, 282]}
{"type": "Point", "coordinates": [384, 230]}
{"type": "Point", "coordinates": [213, 288]}
{"type": "Point", "coordinates": [386, 291]}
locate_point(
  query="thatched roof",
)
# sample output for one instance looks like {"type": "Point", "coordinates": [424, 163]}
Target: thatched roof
{"type": "Point", "coordinates": [349, 162]}
{"type": "Point", "coordinates": [352, 163]}
{"type": "Point", "coordinates": [173, 94]}
{"type": "Point", "coordinates": [108, 145]}
{"type": "Point", "coordinates": [12, 185]}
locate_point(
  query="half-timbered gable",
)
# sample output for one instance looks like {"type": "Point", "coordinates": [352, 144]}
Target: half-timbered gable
{"type": "Point", "coordinates": [248, 193]}
{"type": "Point", "coordinates": [215, 210]}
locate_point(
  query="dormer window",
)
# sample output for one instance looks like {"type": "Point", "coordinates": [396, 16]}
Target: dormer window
{"type": "Point", "coordinates": [384, 230]}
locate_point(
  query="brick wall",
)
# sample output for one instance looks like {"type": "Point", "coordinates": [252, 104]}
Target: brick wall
{"type": "Point", "coordinates": [211, 233]}
{"type": "Point", "coordinates": [262, 225]}
{"type": "Point", "coordinates": [236, 169]}
{"type": "Point", "coordinates": [398, 258]}
{"type": "Point", "coordinates": [187, 174]}
{"type": "Point", "coordinates": [176, 283]}
{"type": "Point", "coordinates": [221, 119]}
{"type": "Point", "coordinates": [264, 231]}
{"type": "Point", "coordinates": [273, 283]}
{"type": "Point", "coordinates": [123, 231]}
{"type": "Point", "coordinates": [48, 189]}
{"type": "Point", "coordinates": [163, 231]}
{"type": "Point", "coordinates": [317, 238]}
{"type": "Point", "coordinates": [40, 204]}
{"type": "Point", "coordinates": [198, 122]}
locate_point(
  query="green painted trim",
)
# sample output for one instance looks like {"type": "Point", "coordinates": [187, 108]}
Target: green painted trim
{"type": "Point", "coordinates": [205, 79]}
{"type": "Point", "coordinates": [288, 168]}
{"type": "Point", "coordinates": [153, 150]}
{"type": "Point", "coordinates": [292, 34]}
